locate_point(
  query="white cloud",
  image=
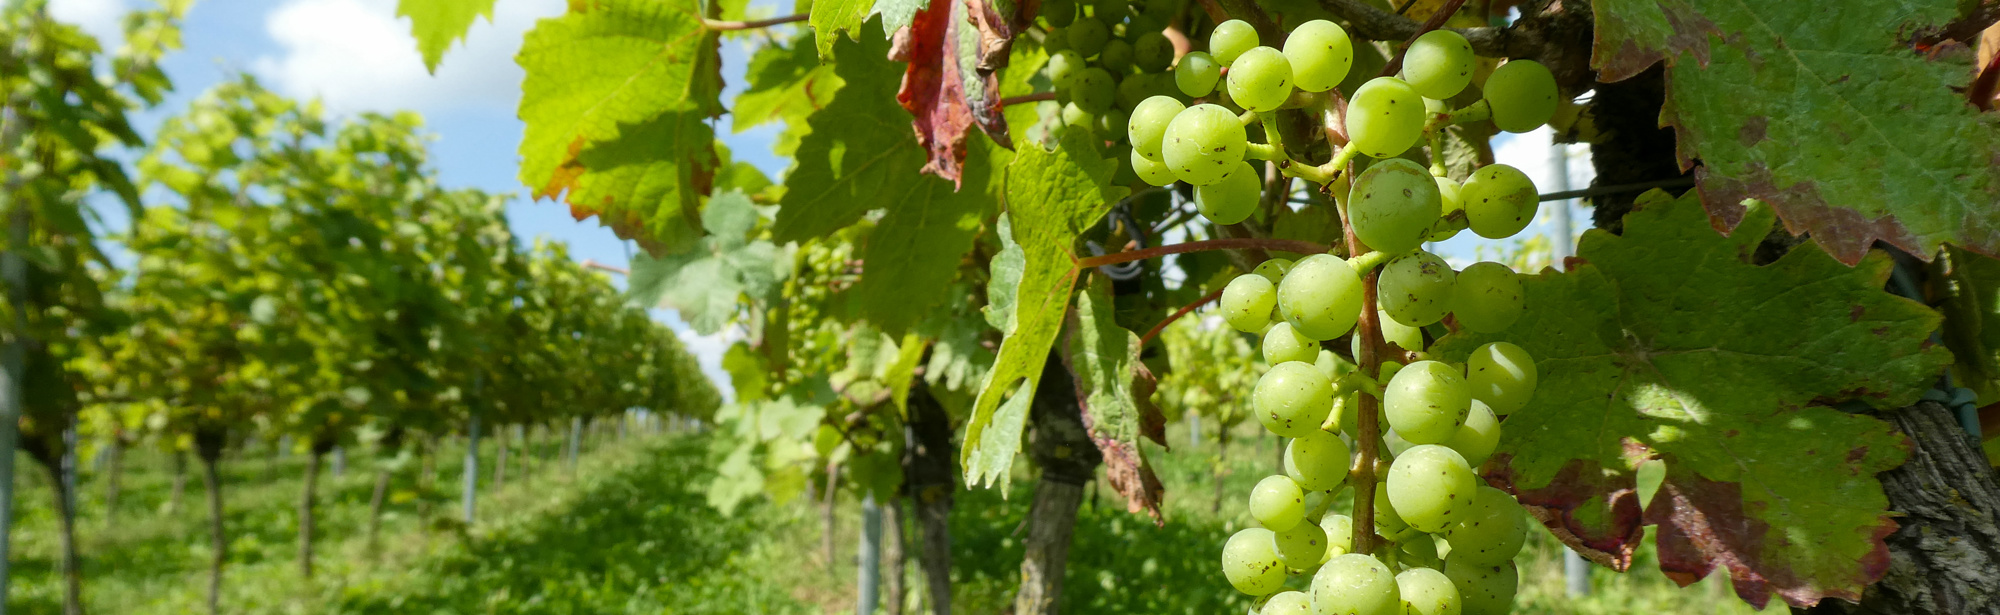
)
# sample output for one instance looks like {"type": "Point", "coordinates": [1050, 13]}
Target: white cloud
{"type": "Point", "coordinates": [104, 19]}
{"type": "Point", "coordinates": [357, 55]}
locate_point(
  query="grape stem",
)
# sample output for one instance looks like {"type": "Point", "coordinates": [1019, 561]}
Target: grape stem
{"type": "Point", "coordinates": [1155, 331]}
{"type": "Point", "coordinates": [1233, 243]}
{"type": "Point", "coordinates": [1365, 263]}
{"type": "Point", "coordinates": [1027, 98]}
{"type": "Point", "coordinates": [713, 24]}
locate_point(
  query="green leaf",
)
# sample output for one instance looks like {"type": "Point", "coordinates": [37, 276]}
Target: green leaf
{"type": "Point", "coordinates": [1052, 196]}
{"type": "Point", "coordinates": [1669, 343]}
{"type": "Point", "coordinates": [436, 24]}
{"type": "Point", "coordinates": [705, 284]}
{"type": "Point", "coordinates": [616, 99]}
{"type": "Point", "coordinates": [785, 84]}
{"type": "Point", "coordinates": [860, 154]}
{"type": "Point", "coordinates": [915, 250]}
{"type": "Point", "coordinates": [1972, 318]}
{"type": "Point", "coordinates": [1847, 130]}
{"type": "Point", "coordinates": [1114, 386]}
{"type": "Point", "coordinates": [830, 17]}
{"type": "Point", "coordinates": [904, 371]}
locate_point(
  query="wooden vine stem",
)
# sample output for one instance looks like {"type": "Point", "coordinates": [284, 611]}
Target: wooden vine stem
{"type": "Point", "coordinates": [1370, 363]}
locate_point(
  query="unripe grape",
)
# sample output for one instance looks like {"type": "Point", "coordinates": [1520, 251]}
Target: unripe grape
{"type": "Point", "coordinates": [1197, 74]}
{"type": "Point", "coordinates": [1056, 40]}
{"type": "Point", "coordinates": [1317, 461]}
{"type": "Point", "coordinates": [1063, 68]}
{"type": "Point", "coordinates": [1448, 196]}
{"type": "Point", "coordinates": [1415, 289]}
{"type": "Point", "coordinates": [1094, 90]}
{"type": "Point", "coordinates": [1075, 117]}
{"type": "Point", "coordinates": [1260, 79]}
{"type": "Point", "coordinates": [1247, 303]}
{"type": "Point", "coordinates": [1387, 522]}
{"type": "Point", "coordinates": [1491, 532]}
{"type": "Point", "coordinates": [1321, 297]}
{"type": "Point", "coordinates": [1320, 53]}
{"type": "Point", "coordinates": [1274, 269]}
{"type": "Point", "coordinates": [1059, 13]}
{"type": "Point", "coordinates": [1088, 35]}
{"type": "Point", "coordinates": [1426, 402]}
{"type": "Point", "coordinates": [1148, 125]}
{"type": "Point", "coordinates": [1480, 434]}
{"type": "Point", "coordinates": [1339, 535]}
{"type": "Point", "coordinates": [1250, 561]}
{"type": "Point", "coordinates": [1303, 546]}
{"type": "Point", "coordinates": [1427, 592]}
{"type": "Point", "coordinates": [1153, 172]}
{"type": "Point", "coordinates": [1277, 503]}
{"type": "Point", "coordinates": [1408, 337]}
{"type": "Point", "coordinates": [1231, 199]}
{"type": "Point", "coordinates": [1393, 204]}
{"type": "Point", "coordinates": [1482, 589]}
{"type": "Point", "coordinates": [1385, 117]}
{"type": "Point", "coordinates": [1499, 201]}
{"type": "Point", "coordinates": [1116, 56]}
{"type": "Point", "coordinates": [1355, 584]}
{"type": "Point", "coordinates": [1288, 603]}
{"type": "Point", "coordinates": [1230, 39]}
{"type": "Point", "coordinates": [1438, 64]}
{"type": "Point", "coordinates": [1487, 297]}
{"type": "Point", "coordinates": [1431, 486]}
{"type": "Point", "coordinates": [1522, 94]}
{"type": "Point", "coordinates": [1152, 52]}
{"type": "Point", "coordinates": [1203, 144]}
{"type": "Point", "coordinates": [1282, 344]}
{"type": "Point", "coordinates": [1111, 11]}
{"type": "Point", "coordinates": [1502, 375]}
{"type": "Point", "coordinates": [1292, 399]}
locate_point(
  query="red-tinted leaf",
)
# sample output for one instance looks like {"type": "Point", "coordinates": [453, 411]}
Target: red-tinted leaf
{"type": "Point", "coordinates": [1703, 526]}
{"type": "Point", "coordinates": [1595, 513]}
{"type": "Point", "coordinates": [946, 86]}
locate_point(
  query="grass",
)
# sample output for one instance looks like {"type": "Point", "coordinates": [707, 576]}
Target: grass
{"type": "Point", "coordinates": [633, 534]}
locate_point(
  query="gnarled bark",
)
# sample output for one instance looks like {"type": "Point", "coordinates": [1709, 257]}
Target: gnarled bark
{"type": "Point", "coordinates": [929, 476]}
{"type": "Point", "coordinates": [1067, 457]}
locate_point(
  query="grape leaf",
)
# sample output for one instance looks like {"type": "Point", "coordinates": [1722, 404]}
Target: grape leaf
{"type": "Point", "coordinates": [1668, 343]}
{"type": "Point", "coordinates": [436, 24]}
{"type": "Point", "coordinates": [615, 103]}
{"type": "Point", "coordinates": [1971, 304]}
{"type": "Point", "coordinates": [830, 17]}
{"type": "Point", "coordinates": [1840, 128]}
{"type": "Point", "coordinates": [945, 88]}
{"type": "Point", "coordinates": [785, 84]}
{"type": "Point", "coordinates": [705, 283]}
{"type": "Point", "coordinates": [1115, 389]}
{"type": "Point", "coordinates": [915, 249]}
{"type": "Point", "coordinates": [859, 155]}
{"type": "Point", "coordinates": [897, 14]}
{"type": "Point", "coordinates": [1052, 196]}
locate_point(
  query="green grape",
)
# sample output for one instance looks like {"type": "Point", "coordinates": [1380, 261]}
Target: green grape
{"type": "Point", "coordinates": [1303, 546]}
{"type": "Point", "coordinates": [1153, 172]}
{"type": "Point", "coordinates": [1388, 370]}
{"type": "Point", "coordinates": [1282, 344]}
{"type": "Point", "coordinates": [1274, 269]}
{"type": "Point", "coordinates": [1247, 303]}
{"type": "Point", "coordinates": [1491, 532]}
{"type": "Point", "coordinates": [1480, 434]}
{"type": "Point", "coordinates": [1112, 124]}
{"type": "Point", "coordinates": [1075, 117]}
{"type": "Point", "coordinates": [1448, 196]}
{"type": "Point", "coordinates": [1431, 486]}
{"type": "Point", "coordinates": [1482, 589]}
{"type": "Point", "coordinates": [1288, 603]}
{"type": "Point", "coordinates": [1426, 402]}
{"type": "Point", "coordinates": [1415, 289]}
{"type": "Point", "coordinates": [1148, 125]}
{"type": "Point", "coordinates": [1094, 90]}
{"type": "Point", "coordinates": [1387, 522]}
{"type": "Point", "coordinates": [1134, 89]}
{"type": "Point", "coordinates": [1277, 503]}
{"type": "Point", "coordinates": [1502, 375]}
{"type": "Point", "coordinates": [1230, 39]}
{"type": "Point", "coordinates": [1487, 297]}
{"type": "Point", "coordinates": [1321, 297]}
{"type": "Point", "coordinates": [1152, 52]}
{"type": "Point", "coordinates": [1088, 35]}
{"type": "Point", "coordinates": [1250, 562]}
{"type": "Point", "coordinates": [1292, 399]}
{"type": "Point", "coordinates": [1161, 10]}
{"type": "Point", "coordinates": [1393, 205]}
{"type": "Point", "coordinates": [1522, 94]}
{"type": "Point", "coordinates": [1339, 535]}
{"type": "Point", "coordinates": [1426, 591]}
{"type": "Point", "coordinates": [1111, 11]}
{"type": "Point", "coordinates": [1121, 175]}
{"type": "Point", "coordinates": [1385, 117]}
{"type": "Point", "coordinates": [1260, 79]}
{"type": "Point", "coordinates": [1064, 65]}
{"type": "Point", "coordinates": [1317, 461]}
{"type": "Point", "coordinates": [1116, 56]}
{"type": "Point", "coordinates": [1056, 40]}
{"type": "Point", "coordinates": [1333, 365]}
{"type": "Point", "coordinates": [1355, 584]}
{"type": "Point", "coordinates": [1231, 199]}
{"type": "Point", "coordinates": [1438, 64]}
{"type": "Point", "coordinates": [1410, 338]}
{"type": "Point", "coordinates": [1203, 144]}
{"type": "Point", "coordinates": [1320, 53]}
{"type": "Point", "coordinates": [1499, 201]}
{"type": "Point", "coordinates": [1059, 13]}
{"type": "Point", "coordinates": [1197, 74]}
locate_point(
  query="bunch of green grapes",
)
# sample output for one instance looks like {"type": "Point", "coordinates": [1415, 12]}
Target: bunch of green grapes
{"type": "Point", "coordinates": [1105, 57]}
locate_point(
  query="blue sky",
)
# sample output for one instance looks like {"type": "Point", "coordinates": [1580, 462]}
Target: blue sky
{"type": "Point", "coordinates": [356, 56]}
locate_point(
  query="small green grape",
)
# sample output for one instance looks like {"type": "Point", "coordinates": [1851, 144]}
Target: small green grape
{"type": "Point", "coordinates": [1260, 79]}
{"type": "Point", "coordinates": [1292, 399]}
{"type": "Point", "coordinates": [1094, 90]}
{"type": "Point", "coordinates": [1321, 297]}
{"type": "Point", "coordinates": [1385, 117]}
{"type": "Point", "coordinates": [1111, 11]}
{"type": "Point", "coordinates": [1197, 73]}
{"type": "Point", "coordinates": [1153, 172]}
{"type": "Point", "coordinates": [1317, 461]}
{"type": "Point", "coordinates": [1491, 532]}
{"type": "Point", "coordinates": [1288, 603]}
{"type": "Point", "coordinates": [1410, 338]}
{"type": "Point", "coordinates": [1277, 503]}
{"type": "Point", "coordinates": [1116, 56]}
{"type": "Point", "coordinates": [1247, 303]}
{"type": "Point", "coordinates": [1152, 52]}
{"type": "Point", "coordinates": [1448, 195]}
{"type": "Point", "coordinates": [1522, 95]}
{"type": "Point", "coordinates": [1426, 402]}
{"type": "Point", "coordinates": [1415, 289]}
{"type": "Point", "coordinates": [1487, 297]}
{"type": "Point", "coordinates": [1063, 67]}
{"type": "Point", "coordinates": [1059, 13]}
{"type": "Point", "coordinates": [1356, 584]}
{"type": "Point", "coordinates": [1431, 486]}
{"type": "Point", "coordinates": [1250, 561]}
{"type": "Point", "coordinates": [1056, 40]}
{"type": "Point", "coordinates": [1203, 144]}
{"type": "Point", "coordinates": [1499, 201]}
{"type": "Point", "coordinates": [1231, 199]}
{"type": "Point", "coordinates": [1148, 125]}
{"type": "Point", "coordinates": [1320, 53]}
{"type": "Point", "coordinates": [1438, 64]}
{"type": "Point", "coordinates": [1230, 39]}
{"type": "Point", "coordinates": [1303, 546]}
{"type": "Point", "coordinates": [1502, 375]}
{"type": "Point", "coordinates": [1427, 592]}
{"type": "Point", "coordinates": [1088, 35]}
{"type": "Point", "coordinates": [1482, 589]}
{"type": "Point", "coordinates": [1480, 434]}
{"type": "Point", "coordinates": [1339, 535]}
{"type": "Point", "coordinates": [1075, 117]}
{"type": "Point", "coordinates": [1393, 204]}
{"type": "Point", "coordinates": [1274, 269]}
{"type": "Point", "coordinates": [1282, 344]}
